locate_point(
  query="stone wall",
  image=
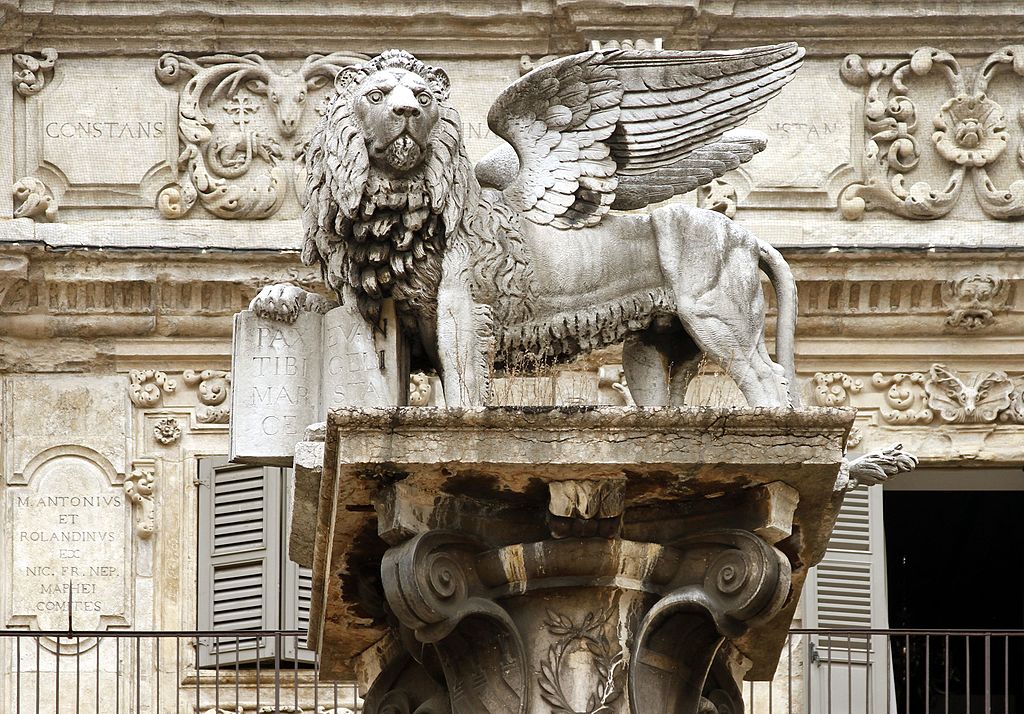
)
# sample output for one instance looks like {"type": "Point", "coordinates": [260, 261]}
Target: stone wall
{"type": "Point", "coordinates": [134, 228]}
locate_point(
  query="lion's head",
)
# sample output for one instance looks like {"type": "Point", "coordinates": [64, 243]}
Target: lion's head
{"type": "Point", "coordinates": [396, 109]}
{"type": "Point", "coordinates": [387, 178]}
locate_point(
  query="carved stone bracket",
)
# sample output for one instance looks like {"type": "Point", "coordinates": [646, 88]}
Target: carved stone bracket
{"type": "Point", "coordinates": [970, 135]}
{"type": "Point", "coordinates": [36, 201]}
{"type": "Point", "coordinates": [138, 487]}
{"type": "Point", "coordinates": [31, 78]}
{"type": "Point", "coordinates": [240, 120]}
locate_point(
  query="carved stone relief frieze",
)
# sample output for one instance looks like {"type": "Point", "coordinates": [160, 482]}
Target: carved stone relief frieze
{"type": "Point", "coordinates": [942, 395]}
{"type": "Point", "coordinates": [971, 134]}
{"type": "Point", "coordinates": [718, 195]}
{"type": "Point", "coordinates": [34, 71]}
{"type": "Point", "coordinates": [243, 123]}
{"type": "Point", "coordinates": [973, 300]}
{"type": "Point", "coordinates": [148, 387]}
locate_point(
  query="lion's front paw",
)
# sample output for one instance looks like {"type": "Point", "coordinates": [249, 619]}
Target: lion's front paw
{"type": "Point", "coordinates": [281, 302]}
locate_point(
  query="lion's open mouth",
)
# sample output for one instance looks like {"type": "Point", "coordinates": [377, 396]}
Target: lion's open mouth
{"type": "Point", "coordinates": [403, 153]}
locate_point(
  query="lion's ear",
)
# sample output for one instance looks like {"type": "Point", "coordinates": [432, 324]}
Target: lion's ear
{"type": "Point", "coordinates": [347, 77]}
{"type": "Point", "coordinates": [439, 83]}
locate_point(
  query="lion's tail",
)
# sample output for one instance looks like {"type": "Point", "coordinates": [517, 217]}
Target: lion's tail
{"type": "Point", "coordinates": [782, 279]}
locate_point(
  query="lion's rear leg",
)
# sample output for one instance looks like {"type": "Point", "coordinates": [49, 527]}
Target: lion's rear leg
{"type": "Point", "coordinates": [659, 363]}
{"type": "Point", "coordinates": [737, 346]}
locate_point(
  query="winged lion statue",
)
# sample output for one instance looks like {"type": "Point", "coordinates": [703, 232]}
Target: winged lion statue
{"type": "Point", "coordinates": [553, 245]}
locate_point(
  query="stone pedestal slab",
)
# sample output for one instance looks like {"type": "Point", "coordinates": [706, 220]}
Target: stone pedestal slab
{"type": "Point", "coordinates": [565, 559]}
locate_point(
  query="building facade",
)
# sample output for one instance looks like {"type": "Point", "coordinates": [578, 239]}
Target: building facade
{"type": "Point", "coordinates": [155, 166]}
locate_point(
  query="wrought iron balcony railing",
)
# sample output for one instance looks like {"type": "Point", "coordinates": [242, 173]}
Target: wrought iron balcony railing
{"type": "Point", "coordinates": [268, 672]}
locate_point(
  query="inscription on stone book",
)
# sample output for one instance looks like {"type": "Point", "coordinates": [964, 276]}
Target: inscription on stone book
{"type": "Point", "coordinates": [68, 541]}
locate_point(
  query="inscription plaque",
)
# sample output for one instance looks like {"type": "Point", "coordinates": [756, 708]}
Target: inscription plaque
{"type": "Point", "coordinates": [70, 546]}
{"type": "Point", "coordinates": [102, 125]}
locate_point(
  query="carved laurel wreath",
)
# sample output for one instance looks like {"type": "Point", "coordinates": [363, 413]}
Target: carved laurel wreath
{"type": "Point", "coordinates": [587, 635]}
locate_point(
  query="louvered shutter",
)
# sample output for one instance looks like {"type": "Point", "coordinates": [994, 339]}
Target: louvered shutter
{"type": "Point", "coordinates": [239, 558]}
{"type": "Point", "coordinates": [848, 590]}
{"type": "Point", "coordinates": [296, 594]}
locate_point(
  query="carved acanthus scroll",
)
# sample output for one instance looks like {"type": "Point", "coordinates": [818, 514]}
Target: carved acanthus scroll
{"type": "Point", "coordinates": [30, 79]}
{"type": "Point", "coordinates": [36, 200]}
{"type": "Point", "coordinates": [138, 487]}
{"type": "Point", "coordinates": [970, 134]}
{"type": "Point", "coordinates": [238, 118]}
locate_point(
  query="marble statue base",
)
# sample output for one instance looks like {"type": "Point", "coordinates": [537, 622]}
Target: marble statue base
{"type": "Point", "coordinates": [601, 560]}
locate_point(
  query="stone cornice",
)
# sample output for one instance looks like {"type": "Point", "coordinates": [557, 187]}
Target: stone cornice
{"type": "Point", "coordinates": [506, 28]}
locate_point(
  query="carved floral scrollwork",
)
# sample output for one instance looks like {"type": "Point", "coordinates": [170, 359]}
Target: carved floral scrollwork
{"type": "Point", "coordinates": [147, 387]}
{"type": "Point", "coordinates": [237, 117]}
{"type": "Point", "coordinates": [833, 389]}
{"type": "Point", "coordinates": [36, 200]}
{"type": "Point", "coordinates": [31, 78]}
{"type": "Point", "coordinates": [977, 399]}
{"type": "Point", "coordinates": [970, 134]}
{"type": "Point", "coordinates": [213, 386]}
{"type": "Point", "coordinates": [972, 300]}
{"type": "Point", "coordinates": [587, 636]}
{"type": "Point", "coordinates": [905, 398]}
{"type": "Point", "coordinates": [138, 487]}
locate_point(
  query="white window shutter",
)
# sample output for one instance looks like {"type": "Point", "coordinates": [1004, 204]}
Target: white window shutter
{"type": "Point", "coordinates": [848, 590]}
{"type": "Point", "coordinates": [239, 558]}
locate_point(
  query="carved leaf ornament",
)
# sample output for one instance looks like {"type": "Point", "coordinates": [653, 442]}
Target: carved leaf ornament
{"type": "Point", "coordinates": [970, 135]}
{"type": "Point", "coordinates": [588, 636]}
{"type": "Point", "coordinates": [237, 118]}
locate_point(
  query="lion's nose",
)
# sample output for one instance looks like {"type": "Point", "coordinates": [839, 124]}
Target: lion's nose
{"type": "Point", "coordinates": [406, 110]}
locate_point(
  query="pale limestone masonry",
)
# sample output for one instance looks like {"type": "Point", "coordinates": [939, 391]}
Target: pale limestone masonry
{"type": "Point", "coordinates": [97, 284]}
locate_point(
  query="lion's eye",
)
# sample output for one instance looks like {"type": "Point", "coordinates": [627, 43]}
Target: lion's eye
{"type": "Point", "coordinates": [375, 97]}
{"type": "Point", "coordinates": [423, 98]}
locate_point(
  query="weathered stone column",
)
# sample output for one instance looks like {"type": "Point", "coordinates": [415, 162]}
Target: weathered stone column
{"type": "Point", "coordinates": [568, 560]}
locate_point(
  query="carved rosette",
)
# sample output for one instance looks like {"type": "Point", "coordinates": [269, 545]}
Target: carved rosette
{"type": "Point", "coordinates": [970, 135]}
{"type": "Point", "coordinates": [240, 121]}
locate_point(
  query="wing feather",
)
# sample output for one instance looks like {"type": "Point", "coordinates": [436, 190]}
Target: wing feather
{"type": "Point", "coordinates": [626, 128]}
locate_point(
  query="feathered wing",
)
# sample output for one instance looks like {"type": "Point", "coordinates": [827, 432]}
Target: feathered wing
{"type": "Point", "coordinates": [626, 128]}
